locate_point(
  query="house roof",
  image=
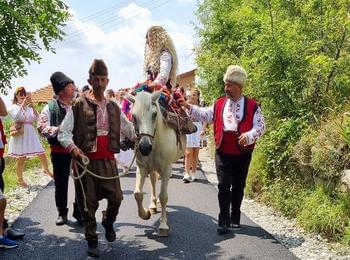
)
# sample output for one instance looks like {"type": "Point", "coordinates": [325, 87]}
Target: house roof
{"type": "Point", "coordinates": [43, 95]}
{"type": "Point", "coordinates": [187, 73]}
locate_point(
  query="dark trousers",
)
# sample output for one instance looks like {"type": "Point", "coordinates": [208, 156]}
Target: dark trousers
{"type": "Point", "coordinates": [61, 168]}
{"type": "Point", "coordinates": [95, 190]}
{"type": "Point", "coordinates": [232, 172]}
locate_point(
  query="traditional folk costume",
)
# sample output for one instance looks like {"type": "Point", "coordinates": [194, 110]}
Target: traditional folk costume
{"type": "Point", "coordinates": [96, 130]}
{"type": "Point", "coordinates": [49, 123]}
{"type": "Point", "coordinates": [160, 67]}
{"type": "Point", "coordinates": [231, 119]}
{"type": "Point", "coordinates": [27, 143]}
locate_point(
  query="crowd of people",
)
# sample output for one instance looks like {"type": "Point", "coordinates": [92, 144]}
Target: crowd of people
{"type": "Point", "coordinates": [88, 131]}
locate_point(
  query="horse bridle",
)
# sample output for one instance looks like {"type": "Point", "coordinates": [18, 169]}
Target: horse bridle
{"type": "Point", "coordinates": [140, 135]}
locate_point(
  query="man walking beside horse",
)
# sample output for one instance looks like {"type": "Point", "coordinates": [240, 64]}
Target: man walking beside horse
{"type": "Point", "coordinates": [238, 123]}
{"type": "Point", "coordinates": [91, 132]}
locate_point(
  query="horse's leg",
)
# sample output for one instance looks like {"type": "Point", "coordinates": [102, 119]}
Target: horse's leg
{"type": "Point", "coordinates": [153, 204]}
{"type": "Point", "coordinates": [140, 181]}
{"type": "Point", "coordinates": [163, 229]}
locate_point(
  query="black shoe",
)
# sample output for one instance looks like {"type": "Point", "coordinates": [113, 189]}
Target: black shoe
{"type": "Point", "coordinates": [110, 233]}
{"type": "Point", "coordinates": [93, 252]}
{"type": "Point", "coordinates": [223, 229]}
{"type": "Point", "coordinates": [61, 220]}
{"type": "Point", "coordinates": [14, 234]}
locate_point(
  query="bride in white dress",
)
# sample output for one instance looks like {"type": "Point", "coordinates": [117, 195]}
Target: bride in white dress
{"type": "Point", "coordinates": [26, 144]}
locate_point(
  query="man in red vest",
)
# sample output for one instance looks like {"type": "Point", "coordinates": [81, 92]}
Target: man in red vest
{"type": "Point", "coordinates": [238, 123]}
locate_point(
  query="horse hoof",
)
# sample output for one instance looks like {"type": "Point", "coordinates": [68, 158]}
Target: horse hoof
{"type": "Point", "coordinates": [146, 216]}
{"type": "Point", "coordinates": [153, 211]}
{"type": "Point", "coordinates": [162, 232]}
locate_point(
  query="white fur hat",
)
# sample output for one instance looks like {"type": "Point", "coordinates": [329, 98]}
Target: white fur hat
{"type": "Point", "coordinates": [237, 74]}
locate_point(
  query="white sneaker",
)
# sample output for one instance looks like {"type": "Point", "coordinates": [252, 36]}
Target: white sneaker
{"type": "Point", "coordinates": [195, 175]}
{"type": "Point", "coordinates": [187, 178]}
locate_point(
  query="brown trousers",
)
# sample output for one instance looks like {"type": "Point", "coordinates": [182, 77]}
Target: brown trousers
{"type": "Point", "coordinates": [96, 190]}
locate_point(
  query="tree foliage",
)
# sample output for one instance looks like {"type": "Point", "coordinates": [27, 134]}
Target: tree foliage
{"type": "Point", "coordinates": [296, 52]}
{"type": "Point", "coordinates": [26, 27]}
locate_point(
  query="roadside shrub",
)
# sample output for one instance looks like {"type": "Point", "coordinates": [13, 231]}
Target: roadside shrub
{"type": "Point", "coordinates": [278, 147]}
{"type": "Point", "coordinates": [322, 154]}
{"type": "Point", "coordinates": [286, 195]}
{"type": "Point", "coordinates": [257, 175]}
{"type": "Point", "coordinates": [327, 213]}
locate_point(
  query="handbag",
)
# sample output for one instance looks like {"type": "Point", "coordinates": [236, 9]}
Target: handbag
{"type": "Point", "coordinates": [17, 129]}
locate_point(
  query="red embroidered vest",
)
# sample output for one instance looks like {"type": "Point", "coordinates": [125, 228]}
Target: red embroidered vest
{"type": "Point", "coordinates": [227, 142]}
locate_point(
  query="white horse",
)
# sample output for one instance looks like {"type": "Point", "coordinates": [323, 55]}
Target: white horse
{"type": "Point", "coordinates": [157, 149]}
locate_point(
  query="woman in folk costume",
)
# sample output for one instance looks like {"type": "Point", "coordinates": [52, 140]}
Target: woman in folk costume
{"type": "Point", "coordinates": [26, 143]}
{"type": "Point", "coordinates": [160, 66]}
{"type": "Point", "coordinates": [193, 141]}
{"type": "Point", "coordinates": [160, 62]}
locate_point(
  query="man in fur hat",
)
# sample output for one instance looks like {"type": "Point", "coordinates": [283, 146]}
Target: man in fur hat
{"type": "Point", "coordinates": [92, 128]}
{"type": "Point", "coordinates": [238, 123]}
{"type": "Point", "coordinates": [49, 123]}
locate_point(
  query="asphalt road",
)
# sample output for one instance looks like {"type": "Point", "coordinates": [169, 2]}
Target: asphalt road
{"type": "Point", "coordinates": [192, 217]}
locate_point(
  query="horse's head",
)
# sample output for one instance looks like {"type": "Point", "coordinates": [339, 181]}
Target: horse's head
{"type": "Point", "coordinates": [144, 112]}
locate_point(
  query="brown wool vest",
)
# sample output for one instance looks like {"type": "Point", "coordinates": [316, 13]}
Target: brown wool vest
{"type": "Point", "coordinates": [85, 130]}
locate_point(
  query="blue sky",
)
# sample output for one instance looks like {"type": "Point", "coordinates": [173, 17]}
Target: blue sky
{"type": "Point", "coordinates": [114, 31]}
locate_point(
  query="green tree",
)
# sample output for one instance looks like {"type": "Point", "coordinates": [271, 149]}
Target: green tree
{"type": "Point", "coordinates": [26, 27]}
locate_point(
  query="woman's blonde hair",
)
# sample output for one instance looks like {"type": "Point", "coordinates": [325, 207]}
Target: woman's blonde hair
{"type": "Point", "coordinates": [161, 42]}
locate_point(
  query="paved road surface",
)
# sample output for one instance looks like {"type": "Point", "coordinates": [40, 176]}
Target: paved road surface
{"type": "Point", "coordinates": [192, 217]}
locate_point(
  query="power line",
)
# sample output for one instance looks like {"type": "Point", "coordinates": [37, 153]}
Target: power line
{"type": "Point", "coordinates": [104, 11]}
{"type": "Point", "coordinates": [78, 36]}
{"type": "Point", "coordinates": [111, 19]}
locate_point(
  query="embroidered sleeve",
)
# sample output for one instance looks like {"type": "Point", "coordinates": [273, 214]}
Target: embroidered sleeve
{"type": "Point", "coordinates": [44, 127]}
{"type": "Point", "coordinates": [164, 68]}
{"type": "Point", "coordinates": [202, 114]}
{"type": "Point", "coordinates": [258, 127]}
{"type": "Point", "coordinates": [65, 133]}
{"type": "Point", "coordinates": [17, 113]}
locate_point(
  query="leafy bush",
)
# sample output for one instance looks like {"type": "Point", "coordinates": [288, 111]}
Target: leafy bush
{"type": "Point", "coordinates": [277, 146]}
{"type": "Point", "coordinates": [286, 195]}
{"type": "Point", "coordinates": [326, 212]}
{"type": "Point", "coordinates": [322, 153]}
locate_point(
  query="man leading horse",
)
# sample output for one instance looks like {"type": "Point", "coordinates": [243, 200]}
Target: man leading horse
{"type": "Point", "coordinates": [91, 131]}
